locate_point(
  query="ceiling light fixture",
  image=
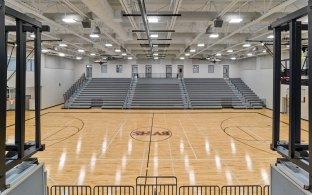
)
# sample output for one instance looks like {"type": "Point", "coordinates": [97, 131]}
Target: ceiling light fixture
{"type": "Point", "coordinates": [235, 20]}
{"type": "Point", "coordinates": [94, 35]}
{"type": "Point", "coordinates": [249, 54]}
{"type": "Point", "coordinates": [152, 20]}
{"type": "Point", "coordinates": [154, 35]}
{"type": "Point", "coordinates": [78, 58]}
{"type": "Point", "coordinates": [218, 54]}
{"type": "Point", "coordinates": [193, 50]}
{"type": "Point", "coordinates": [187, 54]}
{"type": "Point", "coordinates": [92, 54]}
{"type": "Point", "coordinates": [44, 50]}
{"type": "Point", "coordinates": [264, 51]}
{"type": "Point", "coordinates": [124, 54]}
{"type": "Point", "coordinates": [96, 32]}
{"type": "Point", "coordinates": [155, 54]}
{"type": "Point", "coordinates": [246, 45]}
{"type": "Point", "coordinates": [130, 58]}
{"type": "Point", "coordinates": [233, 58]}
{"type": "Point", "coordinates": [230, 51]}
{"type": "Point", "coordinates": [182, 58]}
{"type": "Point", "coordinates": [270, 37]}
{"type": "Point", "coordinates": [215, 35]}
{"type": "Point", "coordinates": [81, 50]}
{"type": "Point", "coordinates": [108, 45]}
{"type": "Point", "coordinates": [62, 45]}
{"type": "Point", "coordinates": [156, 58]}
{"type": "Point", "coordinates": [61, 54]}
{"type": "Point", "coordinates": [69, 20]}
{"type": "Point", "coordinates": [32, 35]}
{"type": "Point", "coordinates": [117, 50]}
{"type": "Point", "coordinates": [201, 45]}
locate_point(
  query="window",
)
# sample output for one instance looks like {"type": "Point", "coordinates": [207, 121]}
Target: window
{"type": "Point", "coordinates": [12, 64]}
{"type": "Point", "coordinates": [118, 68]}
{"type": "Point", "coordinates": [210, 68]}
{"type": "Point", "coordinates": [30, 65]}
{"type": "Point", "coordinates": [195, 68]}
{"type": "Point", "coordinates": [103, 68]}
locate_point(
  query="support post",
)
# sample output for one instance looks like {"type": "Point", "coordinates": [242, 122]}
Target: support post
{"type": "Point", "coordinates": [3, 89]}
{"type": "Point", "coordinates": [310, 89]}
{"type": "Point", "coordinates": [20, 88]}
{"type": "Point", "coordinates": [276, 87]}
{"type": "Point", "coordinates": [38, 85]}
{"type": "Point", "coordinates": [294, 86]}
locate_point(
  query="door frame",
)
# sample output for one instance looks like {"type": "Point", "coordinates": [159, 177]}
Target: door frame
{"type": "Point", "coordinates": [135, 74]}
{"type": "Point", "coordinates": [89, 70]}
{"type": "Point", "coordinates": [148, 74]}
{"type": "Point", "coordinates": [180, 74]}
{"type": "Point", "coordinates": [168, 74]}
{"type": "Point", "coordinates": [226, 74]}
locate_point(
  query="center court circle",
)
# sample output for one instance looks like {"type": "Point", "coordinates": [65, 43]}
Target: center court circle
{"type": "Point", "coordinates": [155, 134]}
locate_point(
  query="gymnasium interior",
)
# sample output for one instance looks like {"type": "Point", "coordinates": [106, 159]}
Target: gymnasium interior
{"type": "Point", "coordinates": [155, 97]}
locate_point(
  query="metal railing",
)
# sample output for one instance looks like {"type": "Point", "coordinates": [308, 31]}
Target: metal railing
{"type": "Point", "coordinates": [70, 190]}
{"type": "Point", "coordinates": [129, 92]}
{"type": "Point", "coordinates": [266, 190]}
{"type": "Point", "coordinates": [68, 94]}
{"type": "Point", "coordinates": [158, 75]}
{"type": "Point", "coordinates": [202, 190]}
{"type": "Point", "coordinates": [241, 190]}
{"type": "Point", "coordinates": [113, 190]}
{"type": "Point", "coordinates": [159, 185]}
{"type": "Point", "coordinates": [151, 185]}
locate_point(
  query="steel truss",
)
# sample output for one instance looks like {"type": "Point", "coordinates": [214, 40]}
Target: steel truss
{"type": "Point", "coordinates": [14, 154]}
{"type": "Point", "coordinates": [293, 150]}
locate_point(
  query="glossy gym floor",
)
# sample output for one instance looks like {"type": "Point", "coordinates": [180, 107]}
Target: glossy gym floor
{"type": "Point", "coordinates": [199, 147]}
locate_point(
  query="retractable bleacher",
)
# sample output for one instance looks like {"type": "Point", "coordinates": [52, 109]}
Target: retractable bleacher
{"type": "Point", "coordinates": [249, 95]}
{"type": "Point", "coordinates": [211, 93]}
{"type": "Point", "coordinates": [157, 93]}
{"type": "Point", "coordinates": [103, 92]}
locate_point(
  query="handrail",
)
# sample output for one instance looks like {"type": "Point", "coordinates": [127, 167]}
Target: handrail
{"type": "Point", "coordinates": [158, 75]}
{"type": "Point", "coordinates": [74, 87]}
{"type": "Point", "coordinates": [128, 93]}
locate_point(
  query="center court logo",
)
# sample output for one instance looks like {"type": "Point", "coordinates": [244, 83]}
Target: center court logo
{"type": "Point", "coordinates": [154, 134]}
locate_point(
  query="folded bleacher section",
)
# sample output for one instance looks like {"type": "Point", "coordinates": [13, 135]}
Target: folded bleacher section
{"type": "Point", "coordinates": [164, 93]}
{"type": "Point", "coordinates": [157, 93]}
{"type": "Point", "coordinates": [211, 93]}
{"type": "Point", "coordinates": [102, 92]}
{"type": "Point", "coordinates": [249, 95]}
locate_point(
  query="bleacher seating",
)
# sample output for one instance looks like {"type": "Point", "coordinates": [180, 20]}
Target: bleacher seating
{"type": "Point", "coordinates": [103, 92]}
{"type": "Point", "coordinates": [157, 93]}
{"type": "Point", "coordinates": [211, 93]}
{"type": "Point", "coordinates": [248, 94]}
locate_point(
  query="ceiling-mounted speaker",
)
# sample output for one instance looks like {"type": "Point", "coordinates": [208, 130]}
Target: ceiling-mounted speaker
{"type": "Point", "coordinates": [218, 22]}
{"type": "Point", "coordinates": [86, 23]}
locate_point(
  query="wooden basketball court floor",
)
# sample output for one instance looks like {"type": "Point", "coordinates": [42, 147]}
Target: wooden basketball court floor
{"type": "Point", "coordinates": [199, 147]}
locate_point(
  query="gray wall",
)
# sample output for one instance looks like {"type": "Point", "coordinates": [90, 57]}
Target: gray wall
{"type": "Point", "coordinates": [257, 73]}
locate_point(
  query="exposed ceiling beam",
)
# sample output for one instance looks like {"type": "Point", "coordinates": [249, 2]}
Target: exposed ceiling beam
{"type": "Point", "coordinates": [156, 15]}
{"type": "Point", "coordinates": [271, 11]}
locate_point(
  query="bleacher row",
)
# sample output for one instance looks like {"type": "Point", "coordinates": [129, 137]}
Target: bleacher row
{"type": "Point", "coordinates": [163, 93]}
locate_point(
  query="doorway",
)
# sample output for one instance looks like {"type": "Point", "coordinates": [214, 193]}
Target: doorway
{"type": "Point", "coordinates": [168, 71]}
{"type": "Point", "coordinates": [135, 71]}
{"type": "Point", "coordinates": [148, 71]}
{"type": "Point", "coordinates": [226, 69]}
{"type": "Point", "coordinates": [89, 71]}
{"type": "Point", "coordinates": [180, 71]}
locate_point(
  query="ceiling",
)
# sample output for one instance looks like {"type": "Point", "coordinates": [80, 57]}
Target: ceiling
{"type": "Point", "coordinates": [188, 30]}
